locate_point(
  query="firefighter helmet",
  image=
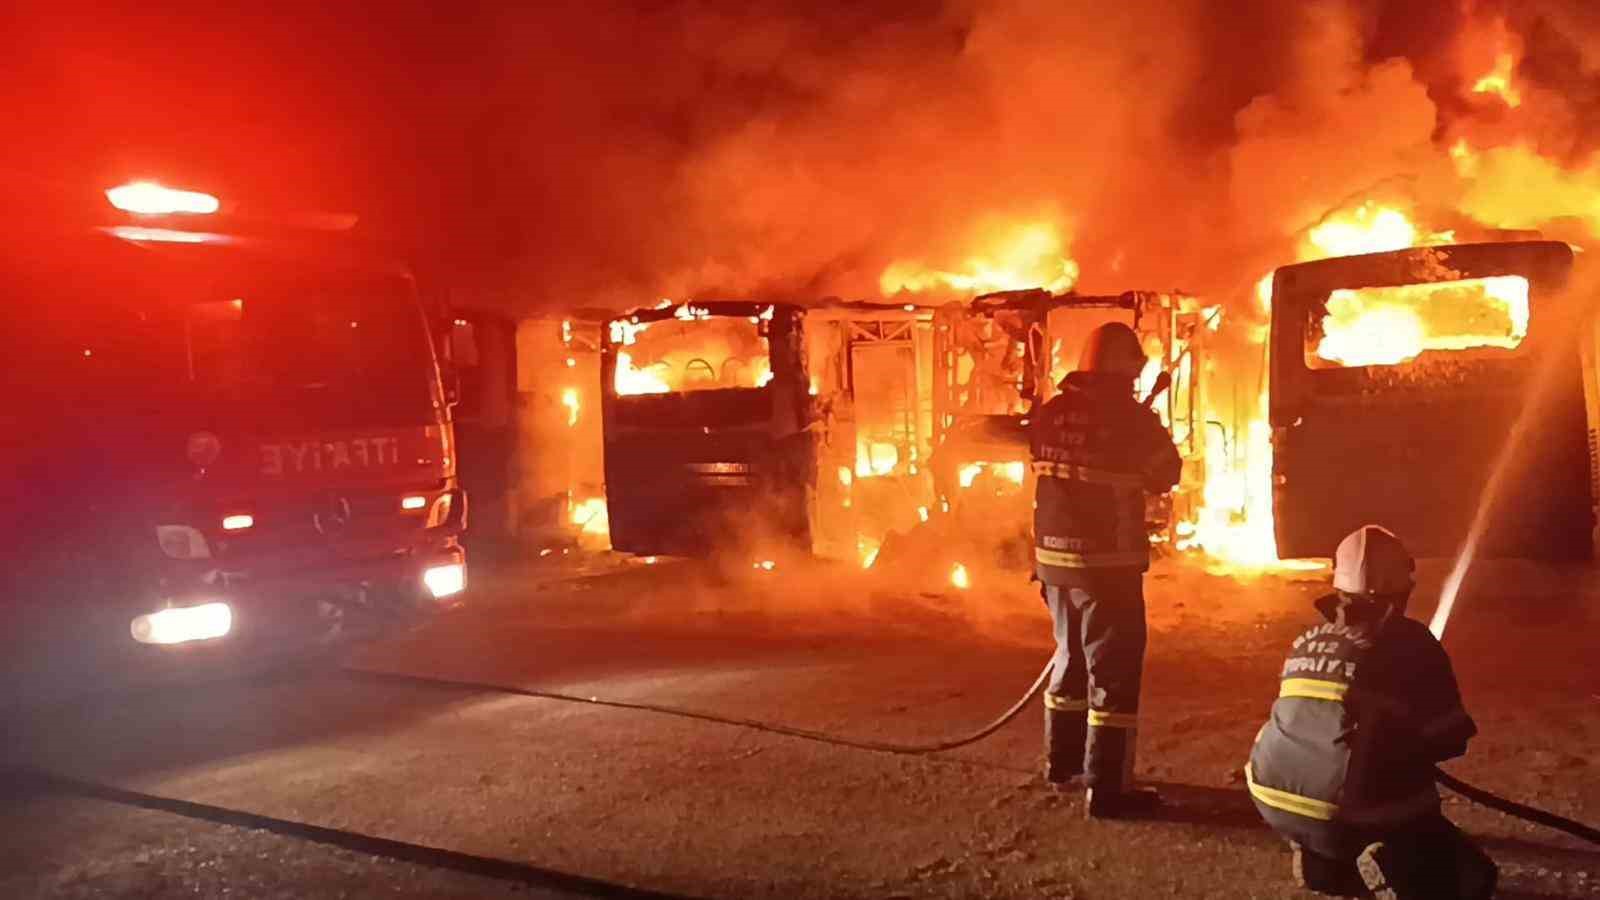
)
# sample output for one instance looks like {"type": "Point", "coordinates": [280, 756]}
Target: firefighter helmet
{"type": "Point", "coordinates": [1112, 349]}
{"type": "Point", "coordinates": [1371, 562]}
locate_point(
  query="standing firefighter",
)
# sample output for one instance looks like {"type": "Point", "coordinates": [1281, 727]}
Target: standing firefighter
{"type": "Point", "coordinates": [1344, 769]}
{"type": "Point", "coordinates": [1096, 452]}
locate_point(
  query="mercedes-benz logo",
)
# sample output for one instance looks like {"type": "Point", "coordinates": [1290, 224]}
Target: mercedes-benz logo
{"type": "Point", "coordinates": [332, 516]}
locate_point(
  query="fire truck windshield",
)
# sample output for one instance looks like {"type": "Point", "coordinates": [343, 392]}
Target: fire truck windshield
{"type": "Point", "coordinates": [283, 345]}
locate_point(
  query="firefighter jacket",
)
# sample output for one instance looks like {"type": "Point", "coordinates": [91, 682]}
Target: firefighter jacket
{"type": "Point", "coordinates": [1366, 706]}
{"type": "Point", "coordinates": [1096, 451]}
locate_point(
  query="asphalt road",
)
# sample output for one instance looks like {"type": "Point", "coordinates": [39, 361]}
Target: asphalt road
{"type": "Point", "coordinates": [634, 800]}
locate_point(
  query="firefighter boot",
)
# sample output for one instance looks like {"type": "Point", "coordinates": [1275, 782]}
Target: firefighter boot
{"type": "Point", "coordinates": [1325, 876]}
{"type": "Point", "coordinates": [1064, 735]}
{"type": "Point", "coordinates": [1390, 874]}
{"type": "Point", "coordinates": [1111, 794]}
{"type": "Point", "coordinates": [1475, 871]}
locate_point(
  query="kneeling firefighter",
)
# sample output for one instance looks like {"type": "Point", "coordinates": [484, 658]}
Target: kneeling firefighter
{"type": "Point", "coordinates": [1096, 452]}
{"type": "Point", "coordinates": [1344, 769]}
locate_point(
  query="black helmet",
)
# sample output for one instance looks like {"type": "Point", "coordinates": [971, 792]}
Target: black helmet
{"type": "Point", "coordinates": [1113, 349]}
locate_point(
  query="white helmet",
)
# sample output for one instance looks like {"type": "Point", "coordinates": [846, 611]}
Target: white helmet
{"type": "Point", "coordinates": [1372, 562]}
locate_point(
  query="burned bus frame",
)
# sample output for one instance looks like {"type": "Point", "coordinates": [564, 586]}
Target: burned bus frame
{"type": "Point", "coordinates": [1171, 324]}
{"type": "Point", "coordinates": [687, 471]}
{"type": "Point", "coordinates": [1410, 446]}
{"type": "Point", "coordinates": [860, 431]}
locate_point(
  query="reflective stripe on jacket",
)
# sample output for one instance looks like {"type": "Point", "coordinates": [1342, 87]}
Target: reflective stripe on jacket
{"type": "Point", "coordinates": [1096, 452]}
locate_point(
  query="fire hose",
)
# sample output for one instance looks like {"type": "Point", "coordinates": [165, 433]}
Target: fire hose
{"type": "Point", "coordinates": [756, 725]}
{"type": "Point", "coordinates": [1511, 808]}
{"type": "Point", "coordinates": [1475, 794]}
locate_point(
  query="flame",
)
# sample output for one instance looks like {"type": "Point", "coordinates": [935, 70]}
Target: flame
{"type": "Point", "coordinates": [1013, 472]}
{"type": "Point", "coordinates": [1385, 326]}
{"type": "Point", "coordinates": [1234, 524]}
{"type": "Point", "coordinates": [959, 577]}
{"type": "Point", "coordinates": [1498, 80]}
{"type": "Point", "coordinates": [875, 458]}
{"type": "Point", "coordinates": [695, 350]}
{"type": "Point", "coordinates": [569, 399]}
{"type": "Point", "coordinates": [590, 516]}
{"type": "Point", "coordinates": [867, 549]}
{"type": "Point", "coordinates": [631, 380]}
{"type": "Point", "coordinates": [1516, 186]}
{"type": "Point", "coordinates": [1367, 229]}
{"type": "Point", "coordinates": [1031, 255]}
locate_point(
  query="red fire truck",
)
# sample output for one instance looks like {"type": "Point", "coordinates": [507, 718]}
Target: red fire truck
{"type": "Point", "coordinates": [223, 439]}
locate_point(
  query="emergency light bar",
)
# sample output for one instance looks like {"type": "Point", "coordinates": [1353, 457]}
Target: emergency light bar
{"type": "Point", "coordinates": [150, 199]}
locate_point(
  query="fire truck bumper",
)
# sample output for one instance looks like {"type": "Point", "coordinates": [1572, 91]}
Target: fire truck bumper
{"type": "Point", "coordinates": [245, 626]}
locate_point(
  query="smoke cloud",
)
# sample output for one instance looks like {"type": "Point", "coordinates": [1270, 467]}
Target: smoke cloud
{"type": "Point", "coordinates": [572, 154]}
{"type": "Point", "coordinates": [694, 149]}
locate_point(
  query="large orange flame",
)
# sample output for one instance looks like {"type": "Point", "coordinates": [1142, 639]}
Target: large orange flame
{"type": "Point", "coordinates": [1031, 255]}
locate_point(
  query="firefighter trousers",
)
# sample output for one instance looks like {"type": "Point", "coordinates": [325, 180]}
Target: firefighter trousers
{"type": "Point", "coordinates": [1096, 674]}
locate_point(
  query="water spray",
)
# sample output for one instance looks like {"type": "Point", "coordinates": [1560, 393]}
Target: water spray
{"type": "Point", "coordinates": [1537, 389]}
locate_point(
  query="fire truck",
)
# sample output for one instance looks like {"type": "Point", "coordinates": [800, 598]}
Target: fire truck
{"type": "Point", "coordinates": [225, 439]}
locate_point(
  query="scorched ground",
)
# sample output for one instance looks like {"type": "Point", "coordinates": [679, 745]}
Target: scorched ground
{"type": "Point", "coordinates": [713, 811]}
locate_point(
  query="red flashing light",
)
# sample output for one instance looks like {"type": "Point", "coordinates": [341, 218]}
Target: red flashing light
{"type": "Point", "coordinates": [151, 199]}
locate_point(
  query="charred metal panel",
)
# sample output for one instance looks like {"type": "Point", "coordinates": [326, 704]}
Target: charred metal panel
{"type": "Point", "coordinates": [687, 472]}
{"type": "Point", "coordinates": [1410, 446]}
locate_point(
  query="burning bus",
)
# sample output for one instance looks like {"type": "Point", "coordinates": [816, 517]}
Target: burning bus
{"type": "Point", "coordinates": [999, 357]}
{"type": "Point", "coordinates": [224, 438]}
{"type": "Point", "coordinates": [808, 426]}
{"type": "Point", "coordinates": [1395, 379]}
{"type": "Point", "coordinates": [839, 426]}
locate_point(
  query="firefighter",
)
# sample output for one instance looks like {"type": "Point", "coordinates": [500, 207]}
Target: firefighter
{"type": "Point", "coordinates": [1096, 452]}
{"type": "Point", "coordinates": [1366, 707]}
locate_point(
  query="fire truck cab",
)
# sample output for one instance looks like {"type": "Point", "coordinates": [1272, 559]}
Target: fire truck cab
{"type": "Point", "coordinates": [224, 439]}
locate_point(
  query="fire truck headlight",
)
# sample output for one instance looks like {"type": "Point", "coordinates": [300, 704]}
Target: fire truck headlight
{"type": "Point", "coordinates": [445, 581]}
{"type": "Point", "coordinates": [181, 624]}
{"type": "Point", "coordinates": [149, 198]}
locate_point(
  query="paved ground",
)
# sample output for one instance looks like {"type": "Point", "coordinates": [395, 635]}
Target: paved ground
{"type": "Point", "coordinates": [698, 809]}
